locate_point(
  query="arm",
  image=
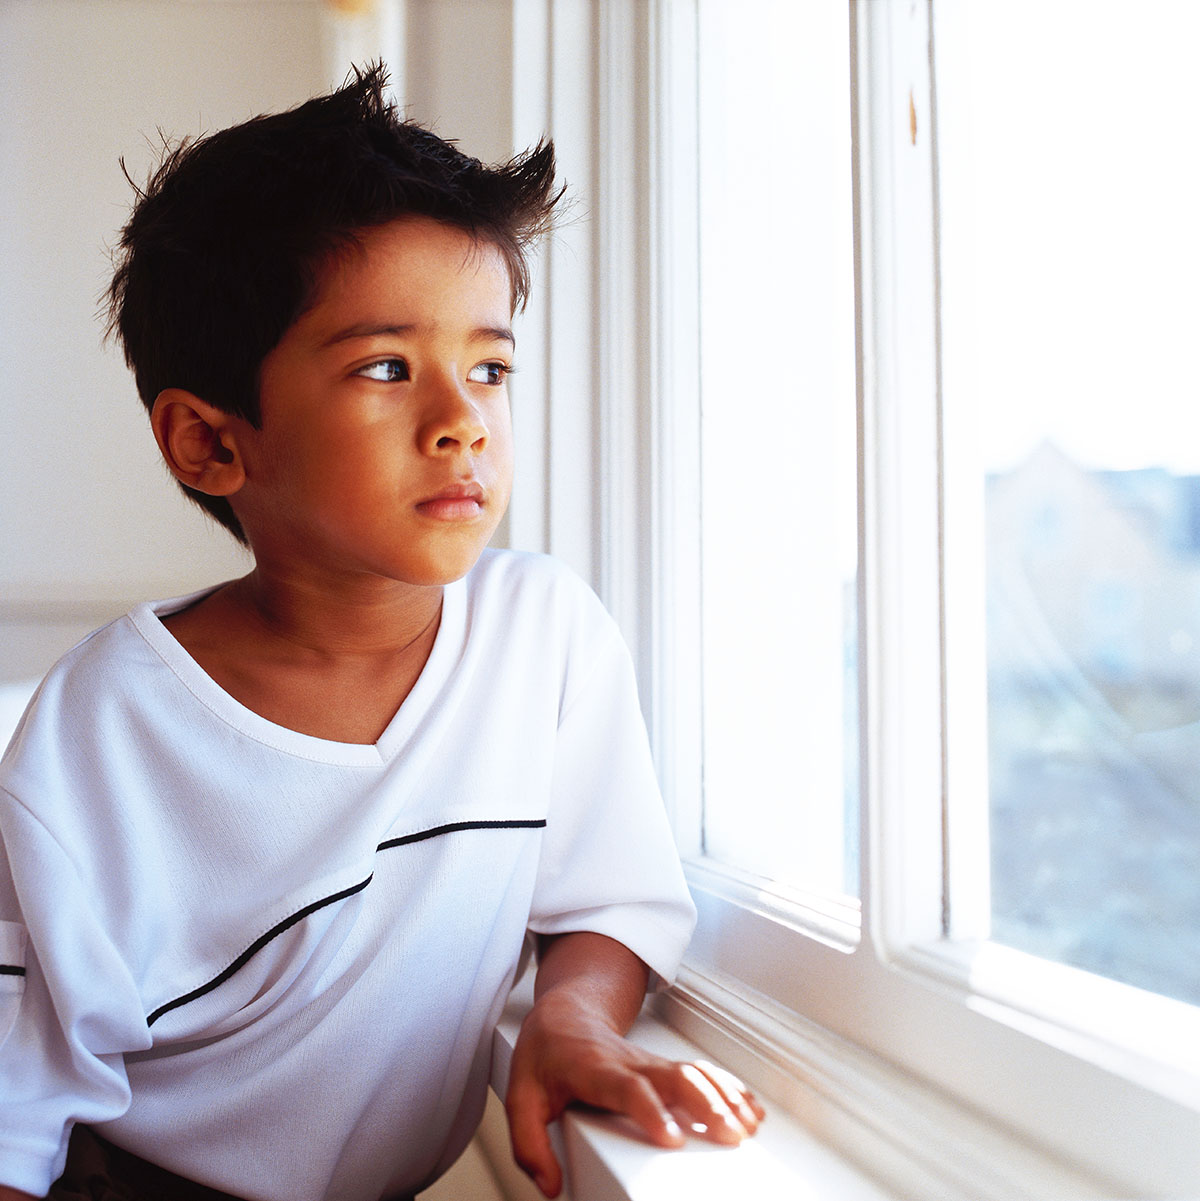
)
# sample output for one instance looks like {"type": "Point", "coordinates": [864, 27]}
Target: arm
{"type": "Point", "coordinates": [11, 1194]}
{"type": "Point", "coordinates": [571, 1048]}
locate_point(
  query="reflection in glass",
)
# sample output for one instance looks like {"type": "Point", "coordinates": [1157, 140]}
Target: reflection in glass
{"type": "Point", "coordinates": [1094, 717]}
{"type": "Point", "coordinates": [1069, 257]}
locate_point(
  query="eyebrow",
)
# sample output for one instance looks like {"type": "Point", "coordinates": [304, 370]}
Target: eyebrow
{"type": "Point", "coordinates": [368, 329]}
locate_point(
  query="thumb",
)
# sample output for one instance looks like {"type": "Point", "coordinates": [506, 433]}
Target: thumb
{"type": "Point", "coordinates": [529, 1115]}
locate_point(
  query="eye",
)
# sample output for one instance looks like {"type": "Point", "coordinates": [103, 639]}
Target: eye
{"type": "Point", "coordinates": [489, 373]}
{"type": "Point", "coordinates": [385, 371]}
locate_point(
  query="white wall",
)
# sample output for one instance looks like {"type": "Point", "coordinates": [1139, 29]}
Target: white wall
{"type": "Point", "coordinates": [458, 74]}
{"type": "Point", "coordinates": [88, 519]}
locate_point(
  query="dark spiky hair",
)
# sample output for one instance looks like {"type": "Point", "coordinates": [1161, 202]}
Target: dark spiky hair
{"type": "Point", "coordinates": [228, 241]}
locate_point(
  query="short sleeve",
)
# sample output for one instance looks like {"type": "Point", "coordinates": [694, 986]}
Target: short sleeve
{"type": "Point", "coordinates": [609, 863]}
{"type": "Point", "coordinates": [68, 1008]}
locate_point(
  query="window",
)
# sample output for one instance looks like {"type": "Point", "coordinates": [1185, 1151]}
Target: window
{"type": "Point", "coordinates": [779, 547]}
{"type": "Point", "coordinates": [1068, 255]}
{"type": "Point", "coordinates": [954, 964]}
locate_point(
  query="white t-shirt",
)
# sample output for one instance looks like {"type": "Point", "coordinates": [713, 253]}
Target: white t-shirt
{"type": "Point", "coordinates": [272, 963]}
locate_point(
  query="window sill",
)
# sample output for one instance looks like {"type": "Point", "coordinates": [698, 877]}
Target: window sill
{"type": "Point", "coordinates": [843, 1124]}
{"type": "Point", "coordinates": [606, 1162]}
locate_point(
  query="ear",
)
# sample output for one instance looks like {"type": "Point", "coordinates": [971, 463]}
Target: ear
{"type": "Point", "coordinates": [198, 442]}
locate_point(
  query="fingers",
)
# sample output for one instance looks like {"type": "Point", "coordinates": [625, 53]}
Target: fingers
{"type": "Point", "coordinates": [530, 1113]}
{"type": "Point", "coordinates": [713, 1103]}
{"type": "Point", "coordinates": [639, 1101]}
{"type": "Point", "coordinates": [737, 1096]}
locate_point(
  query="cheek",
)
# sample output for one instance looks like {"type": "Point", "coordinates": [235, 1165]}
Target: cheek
{"type": "Point", "coordinates": [503, 465]}
{"type": "Point", "coordinates": [341, 453]}
{"type": "Point", "coordinates": [319, 474]}
{"type": "Point", "coordinates": [502, 442]}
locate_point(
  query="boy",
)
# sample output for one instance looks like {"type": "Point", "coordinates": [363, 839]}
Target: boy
{"type": "Point", "coordinates": [273, 849]}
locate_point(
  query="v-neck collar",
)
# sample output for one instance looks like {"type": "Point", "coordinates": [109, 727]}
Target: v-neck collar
{"type": "Point", "coordinates": [445, 653]}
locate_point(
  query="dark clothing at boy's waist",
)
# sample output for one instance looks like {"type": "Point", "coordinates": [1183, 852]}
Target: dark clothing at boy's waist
{"type": "Point", "coordinates": [97, 1170]}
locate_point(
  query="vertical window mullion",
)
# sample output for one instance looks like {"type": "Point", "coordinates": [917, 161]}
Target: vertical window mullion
{"type": "Point", "coordinates": [903, 899]}
{"type": "Point", "coordinates": [672, 296]}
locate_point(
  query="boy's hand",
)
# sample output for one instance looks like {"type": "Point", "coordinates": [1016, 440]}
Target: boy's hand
{"type": "Point", "coordinates": [589, 989]}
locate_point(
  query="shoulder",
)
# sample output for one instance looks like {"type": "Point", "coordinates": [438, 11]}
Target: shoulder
{"type": "Point", "coordinates": [105, 690]}
{"type": "Point", "coordinates": [73, 681]}
{"type": "Point", "coordinates": [116, 657]}
{"type": "Point", "coordinates": [523, 582]}
{"type": "Point", "coordinates": [523, 567]}
{"type": "Point", "coordinates": [533, 614]}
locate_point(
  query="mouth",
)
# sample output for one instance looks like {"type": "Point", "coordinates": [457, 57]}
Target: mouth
{"type": "Point", "coordinates": [459, 502]}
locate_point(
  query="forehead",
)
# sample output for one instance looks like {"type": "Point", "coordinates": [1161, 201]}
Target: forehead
{"type": "Point", "coordinates": [416, 263]}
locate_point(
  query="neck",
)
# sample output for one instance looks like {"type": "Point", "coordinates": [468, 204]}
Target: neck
{"type": "Point", "coordinates": [333, 663]}
{"type": "Point", "coordinates": [343, 620]}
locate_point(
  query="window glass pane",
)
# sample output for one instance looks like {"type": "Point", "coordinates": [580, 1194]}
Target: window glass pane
{"type": "Point", "coordinates": [779, 443]}
{"type": "Point", "coordinates": [1070, 255]}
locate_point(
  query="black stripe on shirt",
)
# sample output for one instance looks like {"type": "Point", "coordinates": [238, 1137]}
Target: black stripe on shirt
{"type": "Point", "coordinates": [254, 948]}
{"type": "Point", "coordinates": [11, 969]}
{"type": "Point", "coordinates": [287, 923]}
{"type": "Point", "coordinates": [454, 827]}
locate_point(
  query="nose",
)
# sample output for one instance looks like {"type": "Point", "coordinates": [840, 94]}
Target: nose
{"type": "Point", "coordinates": [453, 423]}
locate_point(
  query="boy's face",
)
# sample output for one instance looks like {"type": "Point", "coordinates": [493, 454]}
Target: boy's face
{"type": "Point", "coordinates": [386, 440]}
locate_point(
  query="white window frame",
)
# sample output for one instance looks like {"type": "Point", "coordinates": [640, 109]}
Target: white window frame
{"type": "Point", "coordinates": [950, 1066]}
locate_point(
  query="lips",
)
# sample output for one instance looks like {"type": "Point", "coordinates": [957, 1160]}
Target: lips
{"type": "Point", "coordinates": [458, 502]}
